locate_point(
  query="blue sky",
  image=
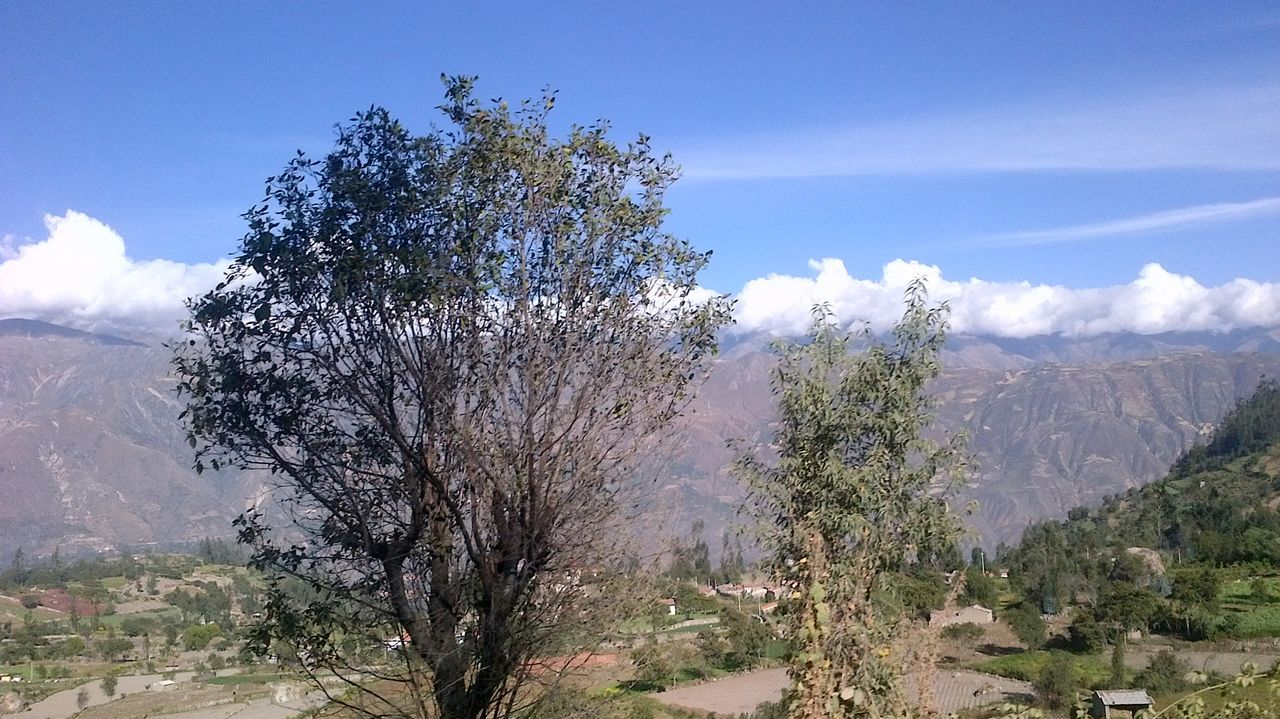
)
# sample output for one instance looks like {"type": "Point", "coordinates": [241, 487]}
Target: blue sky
{"type": "Point", "coordinates": [1069, 145]}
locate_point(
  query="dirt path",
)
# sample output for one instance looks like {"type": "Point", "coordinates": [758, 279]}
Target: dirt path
{"type": "Point", "coordinates": [1228, 663]}
{"type": "Point", "coordinates": [952, 690]}
{"type": "Point", "coordinates": [63, 704]}
{"type": "Point", "coordinates": [257, 709]}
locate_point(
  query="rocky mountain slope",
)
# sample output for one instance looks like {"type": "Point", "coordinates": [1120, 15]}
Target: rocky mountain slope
{"type": "Point", "coordinates": [92, 454]}
{"type": "Point", "coordinates": [1046, 434]}
{"type": "Point", "coordinates": [1216, 505]}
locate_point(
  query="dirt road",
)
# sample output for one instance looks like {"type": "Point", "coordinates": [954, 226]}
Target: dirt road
{"type": "Point", "coordinates": [952, 690]}
{"type": "Point", "coordinates": [63, 704]}
{"type": "Point", "coordinates": [258, 709]}
{"type": "Point", "coordinates": [1199, 660]}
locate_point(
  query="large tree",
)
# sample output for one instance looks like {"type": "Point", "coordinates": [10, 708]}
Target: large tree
{"type": "Point", "coordinates": [450, 351]}
{"type": "Point", "coordinates": [853, 494]}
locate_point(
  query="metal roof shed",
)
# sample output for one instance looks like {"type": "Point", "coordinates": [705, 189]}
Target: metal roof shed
{"type": "Point", "coordinates": [1130, 701]}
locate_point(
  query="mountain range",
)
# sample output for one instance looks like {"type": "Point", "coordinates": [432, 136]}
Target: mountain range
{"type": "Point", "coordinates": [92, 454]}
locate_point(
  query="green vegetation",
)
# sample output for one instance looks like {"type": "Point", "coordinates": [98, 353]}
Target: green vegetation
{"type": "Point", "coordinates": [1194, 555]}
{"type": "Point", "coordinates": [1185, 555]}
{"type": "Point", "coordinates": [1087, 670]}
{"type": "Point", "coordinates": [197, 636]}
{"type": "Point", "coordinates": [246, 678]}
{"type": "Point", "coordinates": [966, 632]}
{"type": "Point", "coordinates": [96, 623]}
{"type": "Point", "coordinates": [848, 497]}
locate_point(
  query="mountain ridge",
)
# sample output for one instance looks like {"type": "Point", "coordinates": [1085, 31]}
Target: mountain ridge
{"type": "Point", "coordinates": [36, 329]}
{"type": "Point", "coordinates": [92, 453]}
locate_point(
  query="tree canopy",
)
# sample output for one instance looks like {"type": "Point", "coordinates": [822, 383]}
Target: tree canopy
{"type": "Point", "coordinates": [449, 351]}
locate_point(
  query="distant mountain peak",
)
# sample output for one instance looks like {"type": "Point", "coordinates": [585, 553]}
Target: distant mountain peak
{"type": "Point", "coordinates": [37, 329]}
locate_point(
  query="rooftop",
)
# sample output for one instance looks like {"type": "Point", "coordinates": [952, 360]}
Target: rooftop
{"type": "Point", "coordinates": [1123, 697]}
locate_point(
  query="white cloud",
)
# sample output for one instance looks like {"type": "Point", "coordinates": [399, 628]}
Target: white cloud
{"type": "Point", "coordinates": [1168, 219]}
{"type": "Point", "coordinates": [1156, 301]}
{"type": "Point", "coordinates": [1223, 128]}
{"type": "Point", "coordinates": [81, 276]}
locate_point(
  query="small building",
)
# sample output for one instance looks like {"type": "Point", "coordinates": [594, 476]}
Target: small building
{"type": "Point", "coordinates": [669, 604]}
{"type": "Point", "coordinates": [975, 614]}
{"type": "Point", "coordinates": [732, 591]}
{"type": "Point", "coordinates": [1107, 702]}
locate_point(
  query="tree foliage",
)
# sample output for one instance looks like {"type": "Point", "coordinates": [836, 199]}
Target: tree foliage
{"type": "Point", "coordinates": [449, 349]}
{"type": "Point", "coordinates": [851, 498]}
{"type": "Point", "coordinates": [1056, 683]}
{"type": "Point", "coordinates": [1252, 425]}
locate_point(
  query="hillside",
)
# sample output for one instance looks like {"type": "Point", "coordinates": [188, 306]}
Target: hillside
{"type": "Point", "coordinates": [1217, 505]}
{"type": "Point", "coordinates": [1045, 438]}
{"type": "Point", "coordinates": [92, 453]}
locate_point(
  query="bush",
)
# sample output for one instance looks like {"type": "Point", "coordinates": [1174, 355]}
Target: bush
{"type": "Point", "coordinates": [652, 667]}
{"type": "Point", "coordinates": [1085, 633]}
{"type": "Point", "coordinates": [980, 589]}
{"type": "Point", "coordinates": [30, 601]}
{"type": "Point", "coordinates": [197, 636]}
{"type": "Point", "coordinates": [1027, 624]}
{"type": "Point", "coordinates": [1164, 674]}
{"type": "Point", "coordinates": [768, 710]}
{"type": "Point", "coordinates": [745, 640]}
{"type": "Point", "coordinates": [966, 632]}
{"type": "Point", "coordinates": [1260, 591]}
{"type": "Point", "coordinates": [71, 647]}
{"type": "Point", "coordinates": [1056, 684]}
{"type": "Point", "coordinates": [112, 648]}
{"type": "Point", "coordinates": [137, 626]}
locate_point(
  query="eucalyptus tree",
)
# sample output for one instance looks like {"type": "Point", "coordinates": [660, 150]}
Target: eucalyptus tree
{"type": "Point", "coordinates": [449, 350]}
{"type": "Point", "coordinates": [852, 492]}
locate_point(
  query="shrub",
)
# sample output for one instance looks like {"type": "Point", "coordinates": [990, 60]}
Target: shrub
{"type": "Point", "coordinates": [1056, 684]}
{"type": "Point", "coordinates": [966, 632]}
{"type": "Point", "coordinates": [1164, 674]}
{"type": "Point", "coordinates": [1026, 623]}
{"type": "Point", "coordinates": [137, 626]}
{"type": "Point", "coordinates": [30, 601]}
{"type": "Point", "coordinates": [197, 636]}
{"type": "Point", "coordinates": [1085, 633]}
{"type": "Point", "coordinates": [1260, 591]}
{"type": "Point", "coordinates": [652, 667]}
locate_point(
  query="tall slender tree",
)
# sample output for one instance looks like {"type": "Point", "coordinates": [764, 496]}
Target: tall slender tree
{"type": "Point", "coordinates": [853, 492]}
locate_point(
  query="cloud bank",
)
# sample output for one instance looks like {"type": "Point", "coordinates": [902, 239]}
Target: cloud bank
{"type": "Point", "coordinates": [1156, 301]}
{"type": "Point", "coordinates": [80, 276]}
